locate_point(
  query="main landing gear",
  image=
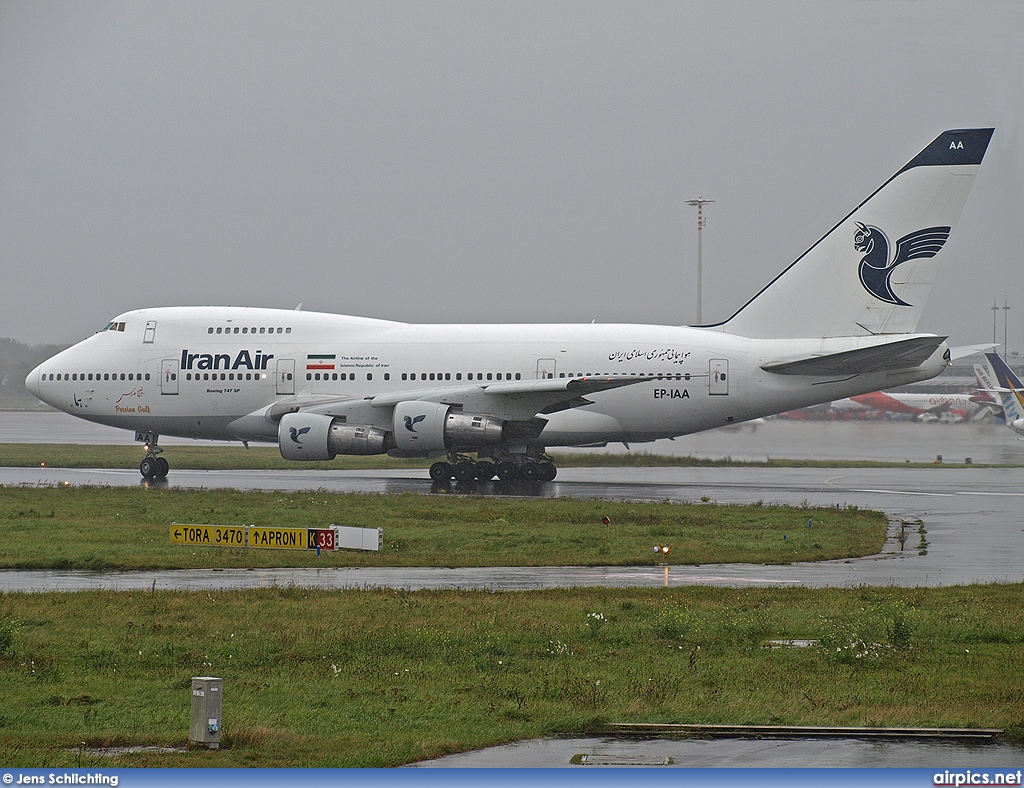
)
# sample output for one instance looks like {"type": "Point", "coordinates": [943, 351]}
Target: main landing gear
{"type": "Point", "coordinates": [516, 469]}
{"type": "Point", "coordinates": [153, 466]}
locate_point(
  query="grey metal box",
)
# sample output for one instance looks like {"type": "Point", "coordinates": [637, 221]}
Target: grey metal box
{"type": "Point", "coordinates": [205, 724]}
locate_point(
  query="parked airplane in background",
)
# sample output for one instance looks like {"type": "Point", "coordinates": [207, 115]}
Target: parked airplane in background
{"type": "Point", "coordinates": [839, 321]}
{"type": "Point", "coordinates": [926, 407]}
{"type": "Point", "coordinates": [996, 377]}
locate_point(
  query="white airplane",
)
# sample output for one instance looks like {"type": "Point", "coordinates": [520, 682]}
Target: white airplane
{"type": "Point", "coordinates": [925, 406]}
{"type": "Point", "coordinates": [839, 321]}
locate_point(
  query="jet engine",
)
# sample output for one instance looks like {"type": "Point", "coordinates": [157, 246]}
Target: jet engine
{"type": "Point", "coordinates": [313, 436]}
{"type": "Point", "coordinates": [423, 428]}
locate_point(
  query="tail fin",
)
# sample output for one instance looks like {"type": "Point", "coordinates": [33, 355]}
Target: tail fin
{"type": "Point", "coordinates": [871, 273]}
{"type": "Point", "coordinates": [1008, 388]}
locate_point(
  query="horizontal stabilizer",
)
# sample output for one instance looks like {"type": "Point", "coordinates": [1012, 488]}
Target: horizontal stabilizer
{"type": "Point", "coordinates": [963, 351]}
{"type": "Point", "coordinates": [906, 353]}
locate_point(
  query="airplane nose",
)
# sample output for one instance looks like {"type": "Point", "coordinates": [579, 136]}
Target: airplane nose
{"type": "Point", "coordinates": [32, 382]}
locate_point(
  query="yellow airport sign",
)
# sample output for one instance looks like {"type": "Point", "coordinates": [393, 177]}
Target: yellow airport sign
{"type": "Point", "coordinates": [279, 538]}
{"type": "Point", "coordinates": [211, 535]}
{"type": "Point", "coordinates": [261, 536]}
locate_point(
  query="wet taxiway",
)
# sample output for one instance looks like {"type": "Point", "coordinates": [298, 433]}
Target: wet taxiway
{"type": "Point", "coordinates": [731, 753]}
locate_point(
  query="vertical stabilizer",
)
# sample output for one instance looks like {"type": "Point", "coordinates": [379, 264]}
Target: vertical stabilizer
{"type": "Point", "coordinates": [1008, 389]}
{"type": "Point", "coordinates": [872, 272]}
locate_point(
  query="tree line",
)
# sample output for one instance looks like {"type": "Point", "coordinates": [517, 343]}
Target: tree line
{"type": "Point", "coordinates": [16, 360]}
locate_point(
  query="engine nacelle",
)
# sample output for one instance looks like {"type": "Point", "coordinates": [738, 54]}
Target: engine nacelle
{"type": "Point", "coordinates": [1017, 424]}
{"type": "Point", "coordinates": [473, 429]}
{"type": "Point", "coordinates": [313, 436]}
{"type": "Point", "coordinates": [423, 428]}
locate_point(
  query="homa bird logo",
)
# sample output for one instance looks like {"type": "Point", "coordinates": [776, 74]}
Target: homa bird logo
{"type": "Point", "coordinates": [410, 421]}
{"type": "Point", "coordinates": [295, 432]}
{"type": "Point", "coordinates": [876, 269]}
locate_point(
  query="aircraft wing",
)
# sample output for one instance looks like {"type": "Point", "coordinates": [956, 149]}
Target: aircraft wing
{"type": "Point", "coordinates": [906, 353]}
{"type": "Point", "coordinates": [518, 400]}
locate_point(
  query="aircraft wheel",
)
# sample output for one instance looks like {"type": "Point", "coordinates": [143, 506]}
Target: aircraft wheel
{"type": "Point", "coordinates": [162, 467]}
{"type": "Point", "coordinates": [465, 472]}
{"type": "Point", "coordinates": [548, 471]}
{"type": "Point", "coordinates": [485, 471]}
{"type": "Point", "coordinates": [531, 471]}
{"type": "Point", "coordinates": [441, 471]}
{"type": "Point", "coordinates": [148, 467]}
{"type": "Point", "coordinates": [508, 472]}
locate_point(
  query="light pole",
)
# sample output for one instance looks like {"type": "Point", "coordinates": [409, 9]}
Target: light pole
{"type": "Point", "coordinates": [700, 202]}
{"type": "Point", "coordinates": [995, 314]}
{"type": "Point", "coordinates": [1006, 309]}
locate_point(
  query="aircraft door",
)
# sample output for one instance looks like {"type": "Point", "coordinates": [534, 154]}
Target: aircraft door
{"type": "Point", "coordinates": [718, 376]}
{"type": "Point", "coordinates": [286, 376]}
{"type": "Point", "coordinates": [169, 376]}
{"type": "Point", "coordinates": [150, 335]}
{"type": "Point", "coordinates": [545, 368]}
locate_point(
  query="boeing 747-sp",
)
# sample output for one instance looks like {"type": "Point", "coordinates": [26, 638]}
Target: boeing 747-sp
{"type": "Point", "coordinates": [837, 322]}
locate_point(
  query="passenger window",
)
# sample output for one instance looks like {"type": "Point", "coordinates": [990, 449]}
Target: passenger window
{"type": "Point", "coordinates": [209, 330]}
{"type": "Point", "coordinates": [219, 329]}
{"type": "Point", "coordinates": [236, 329]}
{"type": "Point", "coordinates": [369, 376]}
{"type": "Point", "coordinates": [387, 376]}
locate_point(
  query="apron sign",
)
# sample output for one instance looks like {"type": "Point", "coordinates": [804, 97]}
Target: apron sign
{"type": "Point", "coordinates": [331, 538]}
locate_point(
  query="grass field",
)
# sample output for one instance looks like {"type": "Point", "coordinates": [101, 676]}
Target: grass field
{"type": "Point", "coordinates": [129, 528]}
{"type": "Point", "coordinates": [380, 678]}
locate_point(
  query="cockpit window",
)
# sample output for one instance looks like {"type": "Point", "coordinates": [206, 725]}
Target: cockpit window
{"type": "Point", "coordinates": [113, 326]}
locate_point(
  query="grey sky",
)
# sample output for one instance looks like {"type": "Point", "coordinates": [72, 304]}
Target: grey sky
{"type": "Point", "coordinates": [483, 162]}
